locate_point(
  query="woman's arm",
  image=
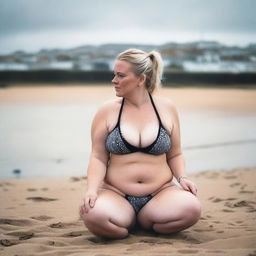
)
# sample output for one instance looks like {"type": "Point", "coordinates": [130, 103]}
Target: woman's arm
{"type": "Point", "coordinates": [99, 156]}
{"type": "Point", "coordinates": [98, 161]}
{"type": "Point", "coordinates": [175, 157]}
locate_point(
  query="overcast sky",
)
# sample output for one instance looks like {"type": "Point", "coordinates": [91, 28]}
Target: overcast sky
{"type": "Point", "coordinates": [31, 25]}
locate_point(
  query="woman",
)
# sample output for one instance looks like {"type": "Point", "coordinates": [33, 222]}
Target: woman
{"type": "Point", "coordinates": [136, 152]}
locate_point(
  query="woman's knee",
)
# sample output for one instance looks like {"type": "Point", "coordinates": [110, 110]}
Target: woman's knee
{"type": "Point", "coordinates": [94, 216]}
{"type": "Point", "coordinates": [172, 217]}
{"type": "Point", "coordinates": [108, 221]}
{"type": "Point", "coordinates": [191, 212]}
{"type": "Point", "coordinates": [101, 224]}
{"type": "Point", "coordinates": [187, 217]}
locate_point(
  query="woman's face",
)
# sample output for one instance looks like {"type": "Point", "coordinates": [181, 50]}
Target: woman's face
{"type": "Point", "coordinates": [125, 81]}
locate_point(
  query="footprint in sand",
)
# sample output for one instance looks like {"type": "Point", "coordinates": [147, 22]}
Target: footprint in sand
{"type": "Point", "coordinates": [57, 225]}
{"type": "Point", "coordinates": [15, 222]}
{"type": "Point", "coordinates": [51, 243]}
{"type": "Point", "coordinates": [154, 241]}
{"type": "Point", "coordinates": [26, 236]}
{"type": "Point", "coordinates": [230, 177]}
{"type": "Point", "coordinates": [22, 235]}
{"type": "Point", "coordinates": [41, 217]}
{"type": "Point", "coordinates": [227, 210]}
{"type": "Point", "coordinates": [243, 203]}
{"type": "Point", "coordinates": [63, 225]}
{"type": "Point", "coordinates": [232, 198]}
{"type": "Point", "coordinates": [31, 189]}
{"type": "Point", "coordinates": [75, 179]}
{"type": "Point", "coordinates": [41, 199]}
{"type": "Point", "coordinates": [217, 200]}
{"type": "Point", "coordinates": [187, 251]}
{"type": "Point", "coordinates": [8, 242]}
{"type": "Point", "coordinates": [235, 184]}
{"type": "Point", "coordinates": [246, 192]}
{"type": "Point", "coordinates": [76, 233]}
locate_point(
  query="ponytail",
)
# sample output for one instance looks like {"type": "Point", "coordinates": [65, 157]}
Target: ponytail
{"type": "Point", "coordinates": [157, 70]}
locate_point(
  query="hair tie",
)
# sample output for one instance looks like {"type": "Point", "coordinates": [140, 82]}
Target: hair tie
{"type": "Point", "coordinates": [150, 56]}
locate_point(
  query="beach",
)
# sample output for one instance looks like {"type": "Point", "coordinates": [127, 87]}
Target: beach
{"type": "Point", "coordinates": [39, 216]}
{"type": "Point", "coordinates": [235, 100]}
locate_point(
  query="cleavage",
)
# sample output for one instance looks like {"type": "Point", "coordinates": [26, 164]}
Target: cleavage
{"type": "Point", "coordinates": [142, 138]}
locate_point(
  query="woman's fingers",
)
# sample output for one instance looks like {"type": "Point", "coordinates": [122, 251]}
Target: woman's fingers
{"type": "Point", "coordinates": [92, 201]}
{"type": "Point", "coordinates": [189, 186]}
{"type": "Point", "coordinates": [87, 203]}
{"type": "Point", "coordinates": [193, 189]}
{"type": "Point", "coordinates": [185, 187]}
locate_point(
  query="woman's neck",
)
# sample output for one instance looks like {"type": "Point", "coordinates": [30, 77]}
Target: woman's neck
{"type": "Point", "coordinates": [138, 98]}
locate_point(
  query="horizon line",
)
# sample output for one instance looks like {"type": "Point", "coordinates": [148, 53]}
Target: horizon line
{"type": "Point", "coordinates": [130, 43]}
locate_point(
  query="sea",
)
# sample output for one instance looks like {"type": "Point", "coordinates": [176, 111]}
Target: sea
{"type": "Point", "coordinates": [53, 140]}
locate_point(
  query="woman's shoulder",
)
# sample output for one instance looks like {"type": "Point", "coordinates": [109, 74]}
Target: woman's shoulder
{"type": "Point", "coordinates": [109, 106]}
{"type": "Point", "coordinates": [165, 102]}
{"type": "Point", "coordinates": [168, 106]}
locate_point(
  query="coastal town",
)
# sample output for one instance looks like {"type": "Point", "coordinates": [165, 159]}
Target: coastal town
{"type": "Point", "coordinates": [199, 56]}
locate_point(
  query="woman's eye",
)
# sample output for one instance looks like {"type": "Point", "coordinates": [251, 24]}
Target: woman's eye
{"type": "Point", "coordinates": [119, 75]}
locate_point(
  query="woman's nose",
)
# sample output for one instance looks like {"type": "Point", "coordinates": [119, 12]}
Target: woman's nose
{"type": "Point", "coordinates": [114, 81]}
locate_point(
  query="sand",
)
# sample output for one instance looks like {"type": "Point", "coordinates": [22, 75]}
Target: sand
{"type": "Point", "coordinates": [216, 99]}
{"type": "Point", "coordinates": [40, 216]}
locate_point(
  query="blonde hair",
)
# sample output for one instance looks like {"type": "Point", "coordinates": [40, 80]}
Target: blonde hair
{"type": "Point", "coordinates": [150, 64]}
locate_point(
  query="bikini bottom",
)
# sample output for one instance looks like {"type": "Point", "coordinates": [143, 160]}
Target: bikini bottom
{"type": "Point", "coordinates": [138, 202]}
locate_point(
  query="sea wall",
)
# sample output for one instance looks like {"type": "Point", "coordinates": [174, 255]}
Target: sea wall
{"type": "Point", "coordinates": [169, 78]}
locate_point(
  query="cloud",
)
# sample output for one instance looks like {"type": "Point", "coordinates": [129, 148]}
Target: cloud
{"type": "Point", "coordinates": [115, 20]}
{"type": "Point", "coordinates": [30, 15]}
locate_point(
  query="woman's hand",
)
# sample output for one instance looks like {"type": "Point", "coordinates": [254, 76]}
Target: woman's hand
{"type": "Point", "coordinates": [88, 202]}
{"type": "Point", "coordinates": [188, 185]}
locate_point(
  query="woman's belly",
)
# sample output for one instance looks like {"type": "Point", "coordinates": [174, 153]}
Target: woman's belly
{"type": "Point", "coordinates": [138, 174]}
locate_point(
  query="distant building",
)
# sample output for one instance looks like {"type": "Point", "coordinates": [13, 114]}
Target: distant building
{"type": "Point", "coordinates": [201, 56]}
{"type": "Point", "coordinates": [13, 66]}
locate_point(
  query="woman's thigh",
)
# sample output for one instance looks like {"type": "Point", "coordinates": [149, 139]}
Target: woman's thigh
{"type": "Point", "coordinates": [169, 205]}
{"type": "Point", "coordinates": [110, 206]}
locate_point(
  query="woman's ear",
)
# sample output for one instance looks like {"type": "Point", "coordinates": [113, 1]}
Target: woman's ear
{"type": "Point", "coordinates": [142, 79]}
